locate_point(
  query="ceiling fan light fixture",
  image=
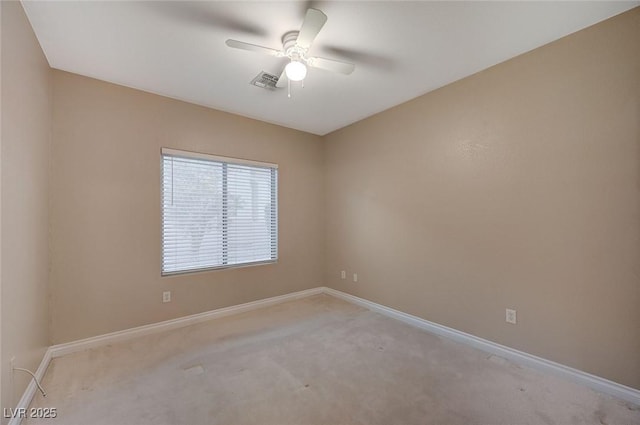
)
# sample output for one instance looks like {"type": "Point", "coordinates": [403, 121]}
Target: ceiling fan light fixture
{"type": "Point", "coordinates": [295, 70]}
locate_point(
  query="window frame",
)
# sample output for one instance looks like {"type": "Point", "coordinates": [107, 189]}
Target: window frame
{"type": "Point", "coordinates": [224, 160]}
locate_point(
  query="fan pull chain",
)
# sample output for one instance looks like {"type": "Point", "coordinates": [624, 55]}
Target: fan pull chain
{"type": "Point", "coordinates": [289, 89]}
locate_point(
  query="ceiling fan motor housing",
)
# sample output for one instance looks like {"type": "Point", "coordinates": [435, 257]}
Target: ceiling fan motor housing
{"type": "Point", "coordinates": [289, 39]}
{"type": "Point", "coordinates": [291, 49]}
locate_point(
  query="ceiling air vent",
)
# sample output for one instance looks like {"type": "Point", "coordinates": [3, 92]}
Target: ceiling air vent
{"type": "Point", "coordinates": [265, 80]}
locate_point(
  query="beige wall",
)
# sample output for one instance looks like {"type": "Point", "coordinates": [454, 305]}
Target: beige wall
{"type": "Point", "coordinates": [2, 371]}
{"type": "Point", "coordinates": [26, 130]}
{"type": "Point", "coordinates": [518, 187]}
{"type": "Point", "coordinates": [105, 207]}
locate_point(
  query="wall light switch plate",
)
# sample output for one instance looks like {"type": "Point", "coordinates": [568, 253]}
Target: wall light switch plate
{"type": "Point", "coordinates": [355, 277]}
{"type": "Point", "coordinates": [166, 296]}
{"type": "Point", "coordinates": [511, 316]}
{"type": "Point", "coordinates": [343, 274]}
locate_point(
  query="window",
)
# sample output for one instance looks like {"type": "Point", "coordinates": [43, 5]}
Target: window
{"type": "Point", "coordinates": [217, 212]}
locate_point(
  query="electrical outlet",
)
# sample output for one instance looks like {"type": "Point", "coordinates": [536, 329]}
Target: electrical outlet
{"type": "Point", "coordinates": [511, 316]}
{"type": "Point", "coordinates": [355, 277]}
{"type": "Point", "coordinates": [166, 296]}
{"type": "Point", "coordinates": [343, 274]}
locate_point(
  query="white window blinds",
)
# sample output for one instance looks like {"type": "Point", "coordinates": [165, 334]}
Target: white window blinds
{"type": "Point", "coordinates": [217, 212]}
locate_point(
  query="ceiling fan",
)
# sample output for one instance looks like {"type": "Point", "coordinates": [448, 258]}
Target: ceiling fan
{"type": "Point", "coordinates": [295, 45]}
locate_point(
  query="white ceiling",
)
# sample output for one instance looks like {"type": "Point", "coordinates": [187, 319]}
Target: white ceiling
{"type": "Point", "coordinates": [401, 49]}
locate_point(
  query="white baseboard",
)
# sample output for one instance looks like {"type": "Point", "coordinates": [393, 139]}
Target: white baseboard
{"type": "Point", "coordinates": [597, 383]}
{"type": "Point", "coordinates": [96, 341]}
{"type": "Point", "coordinates": [592, 381]}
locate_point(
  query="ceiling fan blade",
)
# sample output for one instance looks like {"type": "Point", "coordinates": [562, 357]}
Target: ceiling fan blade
{"type": "Point", "coordinates": [332, 65]}
{"type": "Point", "coordinates": [252, 47]}
{"type": "Point", "coordinates": [361, 57]}
{"type": "Point", "coordinates": [205, 15]}
{"type": "Point", "coordinates": [282, 81]}
{"type": "Point", "coordinates": [311, 26]}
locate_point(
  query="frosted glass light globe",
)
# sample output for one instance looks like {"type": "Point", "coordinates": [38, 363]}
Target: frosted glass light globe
{"type": "Point", "coordinates": [296, 71]}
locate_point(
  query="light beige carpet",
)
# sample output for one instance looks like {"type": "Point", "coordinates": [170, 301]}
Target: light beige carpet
{"type": "Point", "coordinates": [318, 360]}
